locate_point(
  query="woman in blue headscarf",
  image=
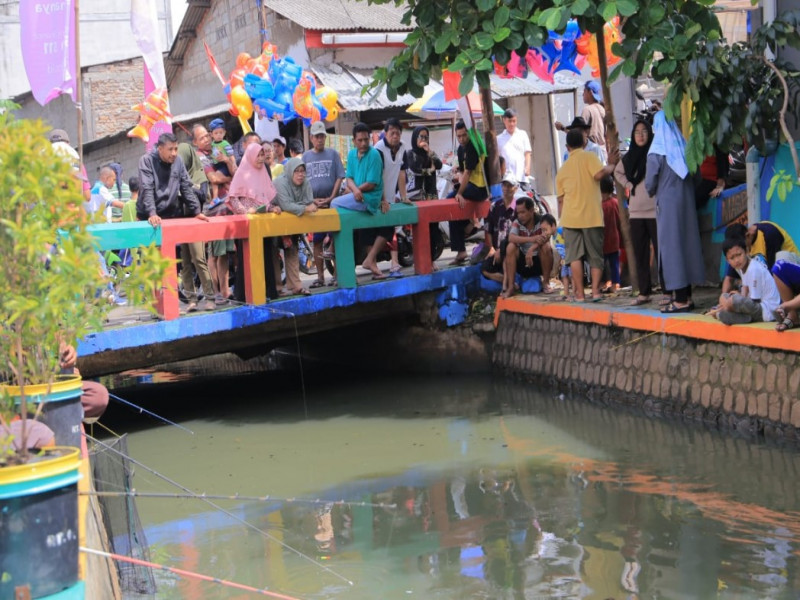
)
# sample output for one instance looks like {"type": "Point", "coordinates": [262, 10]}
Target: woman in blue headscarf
{"type": "Point", "coordinates": [680, 256]}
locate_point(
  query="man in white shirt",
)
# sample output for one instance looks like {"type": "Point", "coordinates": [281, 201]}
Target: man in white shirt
{"type": "Point", "coordinates": [515, 146]}
{"type": "Point", "coordinates": [393, 151]}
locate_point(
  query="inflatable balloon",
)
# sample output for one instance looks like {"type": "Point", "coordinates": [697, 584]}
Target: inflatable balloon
{"type": "Point", "coordinates": [328, 97]}
{"type": "Point", "coordinates": [155, 108]}
{"type": "Point", "coordinates": [241, 102]}
{"type": "Point", "coordinates": [242, 60]}
{"type": "Point", "coordinates": [587, 46]}
{"type": "Point", "coordinates": [302, 99]}
{"type": "Point", "coordinates": [566, 62]}
{"type": "Point", "coordinates": [333, 114]}
{"type": "Point", "coordinates": [237, 77]}
{"type": "Point", "coordinates": [538, 66]}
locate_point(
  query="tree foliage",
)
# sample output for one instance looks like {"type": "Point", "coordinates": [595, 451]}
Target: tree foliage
{"type": "Point", "coordinates": [679, 42]}
{"type": "Point", "coordinates": [50, 273]}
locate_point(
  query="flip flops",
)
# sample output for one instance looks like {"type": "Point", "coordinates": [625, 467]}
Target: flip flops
{"type": "Point", "coordinates": [317, 284]}
{"type": "Point", "coordinates": [640, 300]}
{"type": "Point", "coordinates": [672, 308]}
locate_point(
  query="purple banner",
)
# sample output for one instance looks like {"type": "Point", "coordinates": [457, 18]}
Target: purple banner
{"type": "Point", "coordinates": [48, 47]}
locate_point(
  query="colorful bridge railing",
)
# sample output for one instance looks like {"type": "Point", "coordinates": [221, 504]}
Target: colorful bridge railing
{"type": "Point", "coordinates": [253, 229]}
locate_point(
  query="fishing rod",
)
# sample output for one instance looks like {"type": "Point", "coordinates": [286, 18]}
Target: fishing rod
{"type": "Point", "coordinates": [202, 496]}
{"type": "Point", "coordinates": [185, 573]}
{"type": "Point", "coordinates": [236, 518]}
{"type": "Point", "coordinates": [147, 412]}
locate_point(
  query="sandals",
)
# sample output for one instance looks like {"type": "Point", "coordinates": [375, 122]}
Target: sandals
{"type": "Point", "coordinates": [317, 284]}
{"type": "Point", "coordinates": [640, 300]}
{"type": "Point", "coordinates": [458, 262]}
{"type": "Point", "coordinates": [666, 300]}
{"type": "Point", "coordinates": [673, 308]}
{"type": "Point", "coordinates": [787, 323]}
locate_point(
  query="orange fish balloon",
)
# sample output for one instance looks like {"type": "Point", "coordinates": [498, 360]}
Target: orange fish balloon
{"type": "Point", "coordinates": [155, 108]}
{"type": "Point", "coordinates": [587, 46]}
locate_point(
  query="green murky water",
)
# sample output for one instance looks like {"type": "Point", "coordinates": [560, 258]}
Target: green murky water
{"type": "Point", "coordinates": [456, 488]}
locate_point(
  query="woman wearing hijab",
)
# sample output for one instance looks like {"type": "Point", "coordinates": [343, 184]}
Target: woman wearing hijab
{"type": "Point", "coordinates": [294, 196]}
{"type": "Point", "coordinates": [680, 256]}
{"type": "Point", "coordinates": [642, 206]}
{"type": "Point", "coordinates": [250, 191]}
{"type": "Point", "coordinates": [421, 164]}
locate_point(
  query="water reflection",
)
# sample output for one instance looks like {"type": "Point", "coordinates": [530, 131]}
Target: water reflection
{"type": "Point", "coordinates": [521, 495]}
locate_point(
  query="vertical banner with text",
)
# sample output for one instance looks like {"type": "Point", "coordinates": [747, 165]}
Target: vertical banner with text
{"type": "Point", "coordinates": [47, 31]}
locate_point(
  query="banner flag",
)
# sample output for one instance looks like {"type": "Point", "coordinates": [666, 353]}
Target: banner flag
{"type": "Point", "coordinates": [145, 27]}
{"type": "Point", "coordinates": [47, 31]}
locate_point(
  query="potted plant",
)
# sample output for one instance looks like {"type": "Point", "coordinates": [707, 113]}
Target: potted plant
{"type": "Point", "coordinates": [51, 278]}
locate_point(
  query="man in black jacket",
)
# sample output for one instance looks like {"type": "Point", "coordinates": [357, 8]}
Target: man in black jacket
{"type": "Point", "coordinates": [166, 192]}
{"type": "Point", "coordinates": [164, 185]}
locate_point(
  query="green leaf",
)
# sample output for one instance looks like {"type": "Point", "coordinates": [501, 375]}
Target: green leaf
{"type": "Point", "coordinates": [483, 40]}
{"type": "Point", "coordinates": [485, 64]}
{"type": "Point", "coordinates": [501, 16]}
{"type": "Point", "coordinates": [398, 79]}
{"type": "Point", "coordinates": [627, 8]}
{"type": "Point", "coordinates": [443, 42]}
{"type": "Point", "coordinates": [580, 7]}
{"type": "Point", "coordinates": [608, 10]}
{"type": "Point", "coordinates": [485, 5]}
{"type": "Point", "coordinates": [501, 34]}
{"type": "Point", "coordinates": [467, 82]}
{"type": "Point", "coordinates": [534, 35]}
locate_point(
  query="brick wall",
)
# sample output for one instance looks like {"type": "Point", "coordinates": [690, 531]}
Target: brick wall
{"type": "Point", "coordinates": [735, 387]}
{"type": "Point", "coordinates": [109, 93]}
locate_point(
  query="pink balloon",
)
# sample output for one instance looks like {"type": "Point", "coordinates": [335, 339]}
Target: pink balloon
{"type": "Point", "coordinates": [538, 65]}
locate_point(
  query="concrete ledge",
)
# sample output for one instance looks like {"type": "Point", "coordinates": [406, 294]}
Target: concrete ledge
{"type": "Point", "coordinates": [761, 335]}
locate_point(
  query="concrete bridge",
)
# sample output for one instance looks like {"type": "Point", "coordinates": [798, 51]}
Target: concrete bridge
{"type": "Point", "coordinates": [259, 324]}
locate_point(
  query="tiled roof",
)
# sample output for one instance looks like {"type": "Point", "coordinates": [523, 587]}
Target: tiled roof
{"type": "Point", "coordinates": [339, 15]}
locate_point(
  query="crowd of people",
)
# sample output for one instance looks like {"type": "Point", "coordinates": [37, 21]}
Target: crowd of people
{"type": "Point", "coordinates": [210, 176]}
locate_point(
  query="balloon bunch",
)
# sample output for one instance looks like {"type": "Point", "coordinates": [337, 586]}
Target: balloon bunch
{"type": "Point", "coordinates": [277, 88]}
{"type": "Point", "coordinates": [563, 52]}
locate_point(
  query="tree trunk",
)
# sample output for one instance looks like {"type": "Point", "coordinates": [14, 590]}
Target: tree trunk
{"type": "Point", "coordinates": [612, 145]}
{"type": "Point", "coordinates": [493, 174]}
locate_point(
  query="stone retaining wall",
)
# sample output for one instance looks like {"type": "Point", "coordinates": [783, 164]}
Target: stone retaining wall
{"type": "Point", "coordinates": [743, 388]}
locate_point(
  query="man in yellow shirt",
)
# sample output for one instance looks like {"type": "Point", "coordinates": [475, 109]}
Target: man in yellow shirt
{"type": "Point", "coordinates": [580, 211]}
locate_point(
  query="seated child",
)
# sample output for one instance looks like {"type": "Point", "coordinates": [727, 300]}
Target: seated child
{"type": "Point", "coordinates": [566, 272]}
{"type": "Point", "coordinates": [221, 150]}
{"type": "Point", "coordinates": [758, 298]}
{"type": "Point", "coordinates": [611, 235]}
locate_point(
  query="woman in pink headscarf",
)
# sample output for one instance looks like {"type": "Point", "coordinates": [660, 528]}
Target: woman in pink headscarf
{"type": "Point", "coordinates": [251, 191]}
{"type": "Point", "coordinates": [251, 187]}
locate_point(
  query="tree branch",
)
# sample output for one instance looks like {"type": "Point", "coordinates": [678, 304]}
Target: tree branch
{"type": "Point", "coordinates": [782, 116]}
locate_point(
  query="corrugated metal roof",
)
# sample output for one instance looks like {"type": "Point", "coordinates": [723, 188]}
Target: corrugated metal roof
{"type": "Point", "coordinates": [338, 15]}
{"type": "Point", "coordinates": [348, 83]}
{"type": "Point", "coordinates": [508, 88]}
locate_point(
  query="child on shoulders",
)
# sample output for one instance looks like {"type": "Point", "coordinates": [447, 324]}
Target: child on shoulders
{"type": "Point", "coordinates": [759, 296]}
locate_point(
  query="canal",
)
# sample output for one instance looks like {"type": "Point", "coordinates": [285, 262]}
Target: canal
{"type": "Point", "coordinates": [387, 487]}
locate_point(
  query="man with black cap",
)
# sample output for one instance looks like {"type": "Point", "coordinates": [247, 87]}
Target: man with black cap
{"type": "Point", "coordinates": [580, 125]}
{"type": "Point", "coordinates": [593, 116]}
{"type": "Point", "coordinates": [515, 146]}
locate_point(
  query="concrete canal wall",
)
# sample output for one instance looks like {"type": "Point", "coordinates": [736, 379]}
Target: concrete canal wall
{"type": "Point", "coordinates": [728, 385]}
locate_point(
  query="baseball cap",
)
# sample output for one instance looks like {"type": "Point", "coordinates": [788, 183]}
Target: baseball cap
{"type": "Point", "coordinates": [594, 87]}
{"type": "Point", "coordinates": [579, 123]}
{"type": "Point", "coordinates": [317, 127]}
{"type": "Point", "coordinates": [280, 139]}
{"type": "Point", "coordinates": [216, 124]}
{"type": "Point", "coordinates": [509, 178]}
{"type": "Point", "coordinates": [58, 135]}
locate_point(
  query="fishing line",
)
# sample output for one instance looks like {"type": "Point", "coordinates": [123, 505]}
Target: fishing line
{"type": "Point", "coordinates": [185, 573]}
{"type": "Point", "coordinates": [239, 497]}
{"type": "Point", "coordinates": [224, 511]}
{"type": "Point", "coordinates": [149, 413]}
